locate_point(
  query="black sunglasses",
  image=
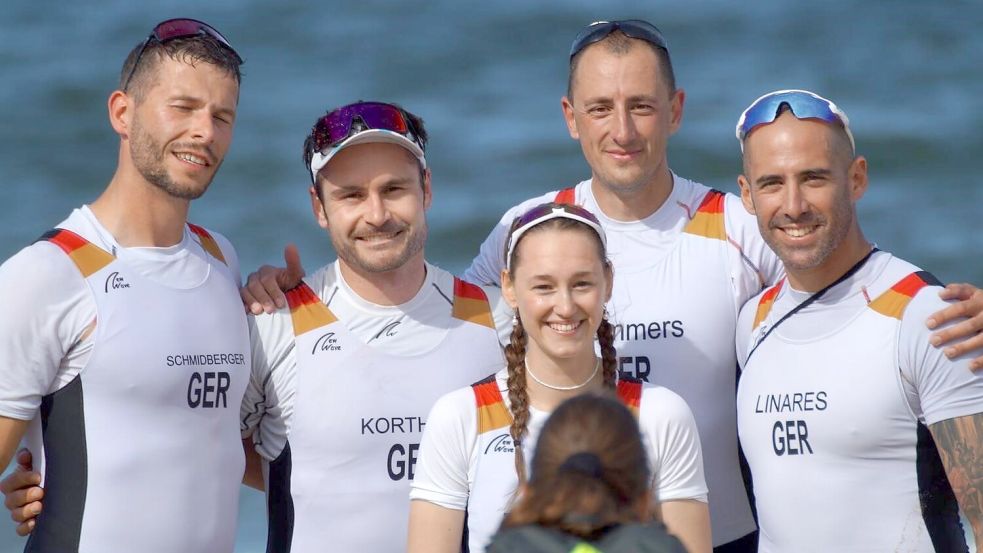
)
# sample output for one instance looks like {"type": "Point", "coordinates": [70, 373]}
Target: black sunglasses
{"type": "Point", "coordinates": [179, 28]}
{"type": "Point", "coordinates": [634, 28]}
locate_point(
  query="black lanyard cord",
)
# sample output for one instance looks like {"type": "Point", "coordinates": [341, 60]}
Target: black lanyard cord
{"type": "Point", "coordinates": [811, 299]}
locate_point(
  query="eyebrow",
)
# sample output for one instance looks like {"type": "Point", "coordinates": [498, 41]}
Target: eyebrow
{"type": "Point", "coordinates": [819, 172]}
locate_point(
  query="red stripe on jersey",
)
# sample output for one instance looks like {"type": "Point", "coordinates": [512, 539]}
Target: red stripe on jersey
{"type": "Point", "coordinates": [208, 242]}
{"type": "Point", "coordinates": [567, 196]}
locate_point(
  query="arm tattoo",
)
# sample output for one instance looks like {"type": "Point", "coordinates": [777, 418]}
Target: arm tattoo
{"type": "Point", "coordinates": [960, 444]}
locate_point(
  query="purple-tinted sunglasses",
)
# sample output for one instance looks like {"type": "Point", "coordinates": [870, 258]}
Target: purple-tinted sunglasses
{"type": "Point", "coordinates": [545, 212]}
{"type": "Point", "coordinates": [179, 28]}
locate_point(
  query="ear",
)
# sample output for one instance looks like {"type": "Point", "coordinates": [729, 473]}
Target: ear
{"type": "Point", "coordinates": [746, 193]}
{"type": "Point", "coordinates": [676, 110]}
{"type": "Point", "coordinates": [508, 290]}
{"type": "Point", "coordinates": [858, 178]}
{"type": "Point", "coordinates": [568, 115]}
{"type": "Point", "coordinates": [427, 190]}
{"type": "Point", "coordinates": [609, 276]}
{"type": "Point", "coordinates": [120, 106]}
{"type": "Point", "coordinates": [318, 208]}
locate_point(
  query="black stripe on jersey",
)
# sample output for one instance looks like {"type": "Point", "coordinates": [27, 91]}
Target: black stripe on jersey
{"type": "Point", "coordinates": [280, 504]}
{"type": "Point", "coordinates": [48, 235]}
{"type": "Point", "coordinates": [465, 536]}
{"type": "Point", "coordinates": [939, 508]}
{"type": "Point", "coordinates": [485, 380]}
{"type": "Point", "coordinates": [59, 525]}
{"type": "Point", "coordinates": [929, 278]}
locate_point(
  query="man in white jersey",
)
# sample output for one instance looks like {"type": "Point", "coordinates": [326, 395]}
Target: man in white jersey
{"type": "Point", "coordinates": [124, 351]}
{"type": "Point", "coordinates": [685, 257]}
{"type": "Point", "coordinates": [344, 375]}
{"type": "Point", "coordinates": [840, 395]}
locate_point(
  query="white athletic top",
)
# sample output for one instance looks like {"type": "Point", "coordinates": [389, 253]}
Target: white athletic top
{"type": "Point", "coordinates": [337, 413]}
{"type": "Point", "coordinates": [832, 407]}
{"type": "Point", "coordinates": [680, 277]}
{"type": "Point", "coordinates": [130, 368]}
{"type": "Point", "coordinates": [467, 459]}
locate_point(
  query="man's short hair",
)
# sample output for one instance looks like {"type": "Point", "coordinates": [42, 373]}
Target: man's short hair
{"type": "Point", "coordinates": [619, 44]}
{"type": "Point", "coordinates": [190, 50]}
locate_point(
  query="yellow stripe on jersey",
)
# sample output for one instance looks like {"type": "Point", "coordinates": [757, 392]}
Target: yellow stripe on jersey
{"type": "Point", "coordinates": [709, 218]}
{"type": "Point", "coordinates": [307, 311]}
{"type": "Point", "coordinates": [471, 304]}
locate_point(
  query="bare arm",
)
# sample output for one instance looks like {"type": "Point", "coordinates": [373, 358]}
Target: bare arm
{"type": "Point", "coordinates": [434, 529]}
{"type": "Point", "coordinates": [11, 431]}
{"type": "Point", "coordinates": [253, 477]}
{"type": "Point", "coordinates": [960, 444]}
{"type": "Point", "coordinates": [689, 520]}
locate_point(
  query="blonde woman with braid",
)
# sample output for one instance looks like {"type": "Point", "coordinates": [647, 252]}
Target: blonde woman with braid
{"type": "Point", "coordinates": [473, 456]}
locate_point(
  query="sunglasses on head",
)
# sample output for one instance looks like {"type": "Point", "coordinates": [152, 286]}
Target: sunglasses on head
{"type": "Point", "coordinates": [338, 125]}
{"type": "Point", "coordinates": [634, 28]}
{"type": "Point", "coordinates": [172, 29]}
{"type": "Point", "coordinates": [545, 212]}
{"type": "Point", "coordinates": [803, 105]}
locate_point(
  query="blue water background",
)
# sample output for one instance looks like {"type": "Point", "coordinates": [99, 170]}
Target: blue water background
{"type": "Point", "coordinates": [487, 78]}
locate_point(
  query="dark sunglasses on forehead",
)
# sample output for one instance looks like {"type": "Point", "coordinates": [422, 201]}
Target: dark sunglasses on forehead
{"type": "Point", "coordinates": [179, 28]}
{"type": "Point", "coordinates": [339, 124]}
{"type": "Point", "coordinates": [545, 212]}
{"type": "Point", "coordinates": [803, 105]}
{"type": "Point", "coordinates": [634, 28]}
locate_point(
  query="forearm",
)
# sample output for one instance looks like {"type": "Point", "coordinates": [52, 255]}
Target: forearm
{"type": "Point", "coordinates": [11, 431]}
{"type": "Point", "coordinates": [689, 520]}
{"type": "Point", "coordinates": [960, 445]}
{"type": "Point", "coordinates": [253, 477]}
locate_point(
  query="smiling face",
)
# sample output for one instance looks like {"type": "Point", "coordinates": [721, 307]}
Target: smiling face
{"type": "Point", "coordinates": [623, 112]}
{"type": "Point", "coordinates": [802, 184]}
{"type": "Point", "coordinates": [558, 285]}
{"type": "Point", "coordinates": [374, 206]}
{"type": "Point", "coordinates": [181, 127]}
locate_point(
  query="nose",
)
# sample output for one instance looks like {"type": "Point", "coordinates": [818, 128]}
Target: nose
{"type": "Point", "coordinates": [376, 210]}
{"type": "Point", "coordinates": [565, 306]}
{"type": "Point", "coordinates": [794, 203]}
{"type": "Point", "coordinates": [203, 127]}
{"type": "Point", "coordinates": [624, 130]}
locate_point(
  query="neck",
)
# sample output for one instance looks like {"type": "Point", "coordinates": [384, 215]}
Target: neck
{"type": "Point", "coordinates": [561, 373]}
{"type": "Point", "coordinates": [846, 255]}
{"type": "Point", "coordinates": [138, 214]}
{"type": "Point", "coordinates": [636, 203]}
{"type": "Point", "coordinates": [388, 288]}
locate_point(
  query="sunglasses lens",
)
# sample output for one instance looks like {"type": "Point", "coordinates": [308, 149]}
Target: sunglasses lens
{"type": "Point", "coordinates": [803, 106]}
{"type": "Point", "coordinates": [634, 28]}
{"type": "Point", "coordinates": [337, 125]}
{"type": "Point", "coordinates": [182, 28]}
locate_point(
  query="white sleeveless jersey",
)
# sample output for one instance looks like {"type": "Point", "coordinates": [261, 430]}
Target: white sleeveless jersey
{"type": "Point", "coordinates": [680, 277]}
{"type": "Point", "coordinates": [338, 417]}
{"type": "Point", "coordinates": [831, 409]}
{"type": "Point", "coordinates": [467, 458]}
{"type": "Point", "coordinates": [149, 420]}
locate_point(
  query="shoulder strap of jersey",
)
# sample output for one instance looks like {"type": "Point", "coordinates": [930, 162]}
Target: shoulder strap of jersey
{"type": "Point", "coordinates": [307, 311]}
{"type": "Point", "coordinates": [471, 304]}
{"type": "Point", "coordinates": [566, 196]}
{"type": "Point", "coordinates": [208, 242]}
{"type": "Point", "coordinates": [766, 302]}
{"type": "Point", "coordinates": [488, 399]}
{"type": "Point", "coordinates": [708, 221]}
{"type": "Point", "coordinates": [630, 393]}
{"type": "Point", "coordinates": [88, 257]}
{"type": "Point", "coordinates": [893, 302]}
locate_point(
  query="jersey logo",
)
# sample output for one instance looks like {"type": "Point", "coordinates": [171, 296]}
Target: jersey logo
{"type": "Point", "coordinates": [765, 304]}
{"type": "Point", "coordinates": [567, 196]}
{"type": "Point", "coordinates": [471, 304]}
{"type": "Point", "coordinates": [893, 302]}
{"type": "Point", "coordinates": [208, 242]}
{"type": "Point", "coordinates": [326, 342]}
{"type": "Point", "coordinates": [87, 257]}
{"type": "Point", "coordinates": [709, 218]}
{"type": "Point", "coordinates": [115, 282]}
{"type": "Point", "coordinates": [307, 312]}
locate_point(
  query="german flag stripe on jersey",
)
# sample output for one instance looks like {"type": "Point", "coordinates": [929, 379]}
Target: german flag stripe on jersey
{"type": "Point", "coordinates": [766, 302]}
{"type": "Point", "coordinates": [471, 304]}
{"type": "Point", "coordinates": [306, 310]}
{"type": "Point", "coordinates": [492, 413]}
{"type": "Point", "coordinates": [86, 256]}
{"type": "Point", "coordinates": [207, 242]}
{"type": "Point", "coordinates": [709, 218]}
{"type": "Point", "coordinates": [630, 393]}
{"type": "Point", "coordinates": [567, 196]}
{"type": "Point", "coordinates": [893, 302]}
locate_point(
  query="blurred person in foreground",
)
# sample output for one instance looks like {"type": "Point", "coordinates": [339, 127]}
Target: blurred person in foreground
{"type": "Point", "coordinates": [850, 421]}
{"type": "Point", "coordinates": [589, 487]}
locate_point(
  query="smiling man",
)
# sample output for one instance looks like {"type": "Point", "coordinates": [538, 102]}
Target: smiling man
{"type": "Point", "coordinates": [124, 351]}
{"type": "Point", "coordinates": [843, 408]}
{"type": "Point", "coordinates": [344, 376]}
